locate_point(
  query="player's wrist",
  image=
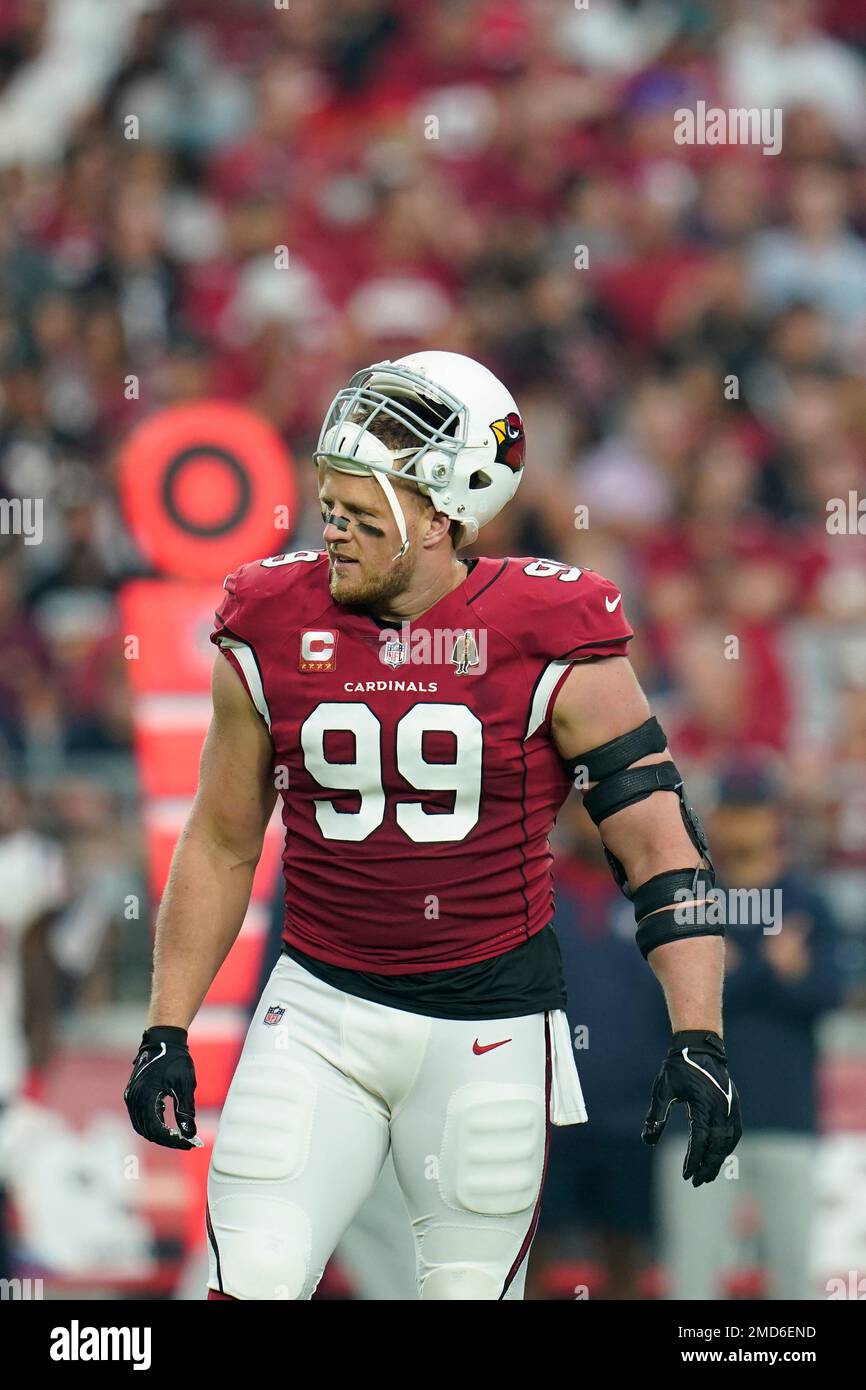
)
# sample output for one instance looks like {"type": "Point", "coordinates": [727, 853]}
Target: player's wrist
{"type": "Point", "coordinates": [698, 1039]}
{"type": "Point", "coordinates": [164, 1033]}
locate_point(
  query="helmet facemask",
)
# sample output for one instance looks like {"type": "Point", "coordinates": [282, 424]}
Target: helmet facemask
{"type": "Point", "coordinates": [435, 418]}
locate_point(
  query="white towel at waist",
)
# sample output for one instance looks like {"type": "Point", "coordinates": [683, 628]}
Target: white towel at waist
{"type": "Point", "coordinates": [566, 1102]}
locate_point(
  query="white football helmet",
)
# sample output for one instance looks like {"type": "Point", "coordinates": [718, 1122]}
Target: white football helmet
{"type": "Point", "coordinates": [469, 456]}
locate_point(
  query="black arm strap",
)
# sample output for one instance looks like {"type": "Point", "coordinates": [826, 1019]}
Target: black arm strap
{"type": "Point", "coordinates": [625, 788]}
{"type": "Point", "coordinates": [619, 753]}
{"type": "Point", "coordinates": [661, 890]}
{"type": "Point", "coordinates": [618, 785]}
{"type": "Point", "coordinates": [665, 926]}
{"type": "Point", "coordinates": [672, 905]}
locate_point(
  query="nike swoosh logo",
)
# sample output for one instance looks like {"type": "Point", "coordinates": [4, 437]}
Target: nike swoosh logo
{"type": "Point", "coordinates": [487, 1047]}
{"type": "Point", "coordinates": [729, 1094]}
{"type": "Point", "coordinates": [612, 607]}
{"type": "Point", "coordinates": [136, 1074]}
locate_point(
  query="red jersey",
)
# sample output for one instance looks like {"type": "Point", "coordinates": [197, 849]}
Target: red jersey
{"type": "Point", "coordinates": [417, 773]}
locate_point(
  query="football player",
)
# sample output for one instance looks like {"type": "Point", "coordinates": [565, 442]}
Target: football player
{"type": "Point", "coordinates": [423, 718]}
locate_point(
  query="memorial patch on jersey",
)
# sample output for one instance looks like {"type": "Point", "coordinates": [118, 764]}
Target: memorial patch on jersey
{"type": "Point", "coordinates": [273, 1015]}
{"type": "Point", "coordinates": [318, 650]}
{"type": "Point", "coordinates": [465, 653]}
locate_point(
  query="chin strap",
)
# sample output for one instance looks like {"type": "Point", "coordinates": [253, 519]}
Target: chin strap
{"type": "Point", "coordinates": [397, 510]}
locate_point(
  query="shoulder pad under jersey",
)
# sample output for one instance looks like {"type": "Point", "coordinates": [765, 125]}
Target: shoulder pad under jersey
{"type": "Point", "coordinates": [555, 611]}
{"type": "Point", "coordinates": [298, 579]}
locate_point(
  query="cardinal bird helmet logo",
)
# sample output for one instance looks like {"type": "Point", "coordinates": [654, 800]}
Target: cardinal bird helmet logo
{"type": "Point", "coordinates": [510, 441]}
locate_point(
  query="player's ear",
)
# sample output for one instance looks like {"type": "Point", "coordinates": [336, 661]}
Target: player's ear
{"type": "Point", "coordinates": [438, 526]}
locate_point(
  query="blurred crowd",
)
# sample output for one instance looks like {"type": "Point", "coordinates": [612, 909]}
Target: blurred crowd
{"type": "Point", "coordinates": [683, 326]}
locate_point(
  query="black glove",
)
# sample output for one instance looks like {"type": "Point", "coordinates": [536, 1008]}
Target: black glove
{"type": "Point", "coordinates": [163, 1068]}
{"type": "Point", "coordinates": [695, 1071]}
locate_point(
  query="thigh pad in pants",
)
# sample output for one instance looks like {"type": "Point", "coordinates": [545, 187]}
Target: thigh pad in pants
{"type": "Point", "coordinates": [264, 1138]}
{"type": "Point", "coordinates": [493, 1148]}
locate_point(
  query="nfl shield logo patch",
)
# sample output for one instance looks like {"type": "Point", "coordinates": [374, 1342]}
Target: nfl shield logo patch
{"type": "Point", "coordinates": [274, 1014]}
{"type": "Point", "coordinates": [395, 653]}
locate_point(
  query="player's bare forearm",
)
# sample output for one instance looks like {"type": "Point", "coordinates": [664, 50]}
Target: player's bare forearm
{"type": "Point", "coordinates": [212, 872]}
{"type": "Point", "coordinates": [202, 911]}
{"type": "Point", "coordinates": [690, 973]}
{"type": "Point", "coordinates": [599, 702]}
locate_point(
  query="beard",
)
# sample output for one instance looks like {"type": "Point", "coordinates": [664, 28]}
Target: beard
{"type": "Point", "coordinates": [369, 590]}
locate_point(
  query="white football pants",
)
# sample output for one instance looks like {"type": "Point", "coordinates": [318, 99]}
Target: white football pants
{"type": "Point", "coordinates": [326, 1084]}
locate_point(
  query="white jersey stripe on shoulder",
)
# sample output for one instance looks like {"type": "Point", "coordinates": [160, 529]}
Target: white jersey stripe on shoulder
{"type": "Point", "coordinates": [541, 695]}
{"type": "Point", "coordinates": [247, 661]}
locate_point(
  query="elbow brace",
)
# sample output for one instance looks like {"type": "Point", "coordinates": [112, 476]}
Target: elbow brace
{"type": "Point", "coordinates": [666, 907]}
